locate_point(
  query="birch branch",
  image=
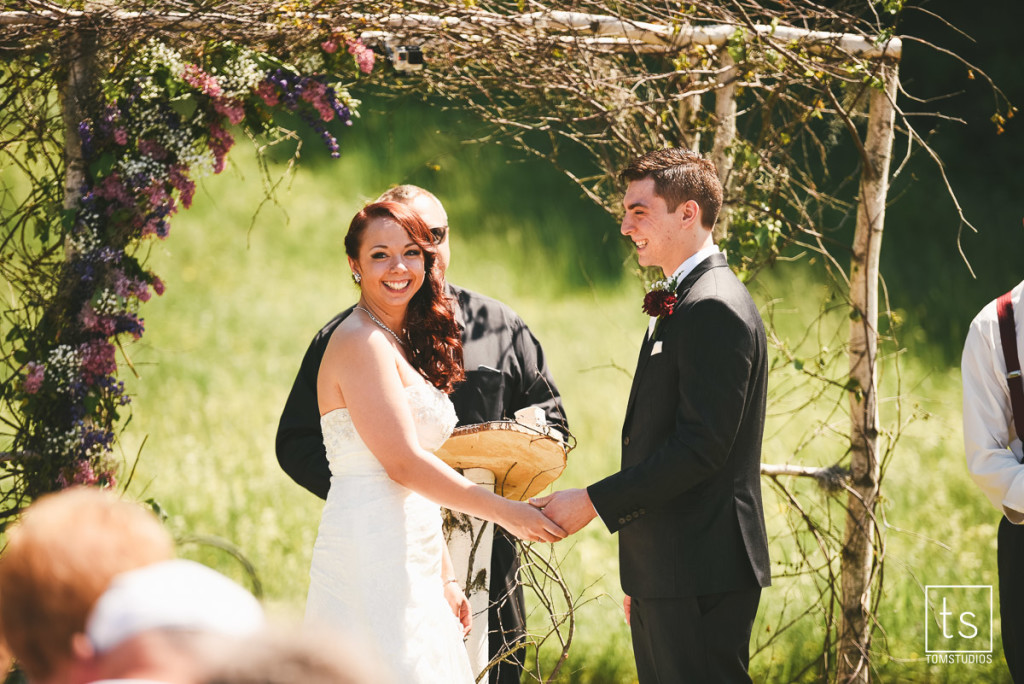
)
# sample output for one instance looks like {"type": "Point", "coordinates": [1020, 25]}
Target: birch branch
{"type": "Point", "coordinates": [626, 35]}
{"type": "Point", "coordinates": [830, 478]}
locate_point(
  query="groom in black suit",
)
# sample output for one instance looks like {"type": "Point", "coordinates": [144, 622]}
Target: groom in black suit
{"type": "Point", "coordinates": [693, 550]}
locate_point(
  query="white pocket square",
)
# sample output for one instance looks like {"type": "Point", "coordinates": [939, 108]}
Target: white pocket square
{"type": "Point", "coordinates": [656, 349]}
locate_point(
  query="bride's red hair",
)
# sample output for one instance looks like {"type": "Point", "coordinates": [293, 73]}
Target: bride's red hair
{"type": "Point", "coordinates": [431, 337]}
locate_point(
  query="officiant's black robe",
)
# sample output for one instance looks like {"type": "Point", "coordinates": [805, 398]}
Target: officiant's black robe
{"type": "Point", "coordinates": [505, 371]}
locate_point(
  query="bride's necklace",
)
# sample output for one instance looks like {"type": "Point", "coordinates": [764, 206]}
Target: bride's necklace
{"type": "Point", "coordinates": [381, 324]}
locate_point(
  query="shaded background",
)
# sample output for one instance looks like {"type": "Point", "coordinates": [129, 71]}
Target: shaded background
{"type": "Point", "coordinates": [920, 261]}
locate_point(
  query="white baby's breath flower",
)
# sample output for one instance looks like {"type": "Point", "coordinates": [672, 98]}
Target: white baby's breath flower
{"type": "Point", "coordinates": [240, 75]}
{"type": "Point", "coordinates": [107, 303]}
{"type": "Point", "coordinates": [60, 441]}
{"type": "Point", "coordinates": [143, 164]}
{"type": "Point", "coordinates": [63, 365]}
{"type": "Point", "coordinates": [84, 241]}
{"type": "Point", "coordinates": [311, 63]}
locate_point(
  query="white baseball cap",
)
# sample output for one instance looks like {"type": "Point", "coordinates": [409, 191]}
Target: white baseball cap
{"type": "Point", "coordinates": [175, 594]}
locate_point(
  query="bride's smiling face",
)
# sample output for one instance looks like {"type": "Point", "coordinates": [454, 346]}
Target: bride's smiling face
{"type": "Point", "coordinates": [390, 264]}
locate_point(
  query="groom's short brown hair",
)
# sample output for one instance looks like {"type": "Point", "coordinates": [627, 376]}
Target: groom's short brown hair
{"type": "Point", "coordinates": [680, 175]}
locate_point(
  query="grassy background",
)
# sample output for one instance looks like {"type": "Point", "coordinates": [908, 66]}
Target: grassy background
{"type": "Point", "coordinates": [245, 296]}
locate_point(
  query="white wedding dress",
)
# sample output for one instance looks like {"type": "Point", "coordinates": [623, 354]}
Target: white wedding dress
{"type": "Point", "coordinates": [376, 567]}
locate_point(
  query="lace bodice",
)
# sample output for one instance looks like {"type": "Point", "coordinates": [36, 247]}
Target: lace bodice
{"type": "Point", "coordinates": [433, 415]}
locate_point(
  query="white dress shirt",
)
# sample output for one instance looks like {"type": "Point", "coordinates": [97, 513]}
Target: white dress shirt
{"type": "Point", "coordinates": [991, 442]}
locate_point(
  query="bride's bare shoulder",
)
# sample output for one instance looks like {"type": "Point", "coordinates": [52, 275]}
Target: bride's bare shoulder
{"type": "Point", "coordinates": [357, 338]}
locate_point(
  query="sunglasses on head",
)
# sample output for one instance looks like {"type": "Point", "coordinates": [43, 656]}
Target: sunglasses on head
{"type": "Point", "coordinates": [438, 234]}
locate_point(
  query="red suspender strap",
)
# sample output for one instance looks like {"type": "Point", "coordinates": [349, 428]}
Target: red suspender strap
{"type": "Point", "coordinates": [1008, 336]}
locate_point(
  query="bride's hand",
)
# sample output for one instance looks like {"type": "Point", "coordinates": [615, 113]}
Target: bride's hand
{"type": "Point", "coordinates": [459, 604]}
{"type": "Point", "coordinates": [529, 524]}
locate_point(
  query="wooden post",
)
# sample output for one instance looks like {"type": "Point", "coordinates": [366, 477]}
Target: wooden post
{"type": "Point", "coordinates": [858, 557]}
{"type": "Point", "coordinates": [79, 50]}
{"type": "Point", "coordinates": [725, 133]}
{"type": "Point", "coordinates": [689, 134]}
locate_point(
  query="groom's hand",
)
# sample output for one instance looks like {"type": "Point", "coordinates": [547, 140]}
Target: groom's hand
{"type": "Point", "coordinates": [571, 509]}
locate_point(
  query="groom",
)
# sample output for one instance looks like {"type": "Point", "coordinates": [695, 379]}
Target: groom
{"type": "Point", "coordinates": [693, 550]}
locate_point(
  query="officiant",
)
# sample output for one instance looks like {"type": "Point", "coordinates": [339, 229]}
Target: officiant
{"type": "Point", "coordinates": [505, 371]}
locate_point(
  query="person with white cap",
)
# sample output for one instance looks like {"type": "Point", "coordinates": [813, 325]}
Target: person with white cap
{"type": "Point", "coordinates": [164, 623]}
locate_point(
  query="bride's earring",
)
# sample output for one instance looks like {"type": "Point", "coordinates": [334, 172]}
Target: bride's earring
{"type": "Point", "coordinates": [357, 278]}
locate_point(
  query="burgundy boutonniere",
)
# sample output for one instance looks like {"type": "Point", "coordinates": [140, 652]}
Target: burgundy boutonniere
{"type": "Point", "coordinates": [661, 300]}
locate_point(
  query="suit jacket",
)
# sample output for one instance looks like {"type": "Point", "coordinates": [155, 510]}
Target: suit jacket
{"type": "Point", "coordinates": [687, 501]}
{"type": "Point", "coordinates": [505, 371]}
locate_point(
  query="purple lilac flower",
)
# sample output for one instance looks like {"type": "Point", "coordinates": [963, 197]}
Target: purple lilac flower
{"type": "Point", "coordinates": [85, 135]}
{"type": "Point", "coordinates": [363, 55]}
{"type": "Point", "coordinates": [220, 142]}
{"type": "Point", "coordinates": [177, 175]}
{"type": "Point", "coordinates": [85, 271]}
{"type": "Point", "coordinates": [131, 324]}
{"type": "Point", "coordinates": [200, 80]}
{"type": "Point", "coordinates": [111, 188]}
{"type": "Point", "coordinates": [153, 149]}
{"type": "Point", "coordinates": [108, 255]}
{"type": "Point", "coordinates": [268, 92]}
{"type": "Point", "coordinates": [81, 473]}
{"type": "Point", "coordinates": [93, 322]}
{"type": "Point", "coordinates": [232, 109]}
{"type": "Point", "coordinates": [98, 360]}
{"type": "Point", "coordinates": [34, 377]}
{"type": "Point", "coordinates": [130, 287]}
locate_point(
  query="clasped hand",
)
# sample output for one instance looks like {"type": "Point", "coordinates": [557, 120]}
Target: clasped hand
{"type": "Point", "coordinates": [530, 524]}
{"type": "Point", "coordinates": [571, 509]}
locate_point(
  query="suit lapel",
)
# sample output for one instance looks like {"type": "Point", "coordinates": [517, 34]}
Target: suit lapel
{"type": "Point", "coordinates": [641, 364]}
{"type": "Point", "coordinates": [682, 290]}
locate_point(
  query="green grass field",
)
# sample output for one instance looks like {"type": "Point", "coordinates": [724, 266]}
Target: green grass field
{"type": "Point", "coordinates": [244, 297]}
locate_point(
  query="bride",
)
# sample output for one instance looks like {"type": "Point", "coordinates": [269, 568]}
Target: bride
{"type": "Point", "coordinates": [380, 563]}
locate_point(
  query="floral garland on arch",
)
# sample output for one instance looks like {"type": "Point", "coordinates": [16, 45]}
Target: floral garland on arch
{"type": "Point", "coordinates": [163, 122]}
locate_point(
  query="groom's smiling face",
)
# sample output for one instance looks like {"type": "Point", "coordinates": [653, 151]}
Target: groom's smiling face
{"type": "Point", "coordinates": [655, 231]}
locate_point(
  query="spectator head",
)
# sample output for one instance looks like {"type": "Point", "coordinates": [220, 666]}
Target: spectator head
{"type": "Point", "coordinates": [311, 657]}
{"type": "Point", "coordinates": [164, 622]}
{"type": "Point", "coordinates": [60, 558]}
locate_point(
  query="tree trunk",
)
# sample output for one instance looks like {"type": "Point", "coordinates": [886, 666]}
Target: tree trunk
{"type": "Point", "coordinates": [80, 56]}
{"type": "Point", "coordinates": [858, 556]}
{"type": "Point", "coordinates": [725, 133]}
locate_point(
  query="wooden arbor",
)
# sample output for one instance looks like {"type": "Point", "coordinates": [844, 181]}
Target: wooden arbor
{"type": "Point", "coordinates": [715, 75]}
{"type": "Point", "coordinates": [713, 72]}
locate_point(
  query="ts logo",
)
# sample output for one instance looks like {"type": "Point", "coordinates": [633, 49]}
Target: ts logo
{"type": "Point", "coordinates": [958, 618]}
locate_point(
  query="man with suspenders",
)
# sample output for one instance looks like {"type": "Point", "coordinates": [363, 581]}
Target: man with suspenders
{"type": "Point", "coordinates": [993, 414]}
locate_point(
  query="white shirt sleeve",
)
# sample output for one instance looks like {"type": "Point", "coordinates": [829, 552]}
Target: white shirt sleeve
{"type": "Point", "coordinates": [991, 443]}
